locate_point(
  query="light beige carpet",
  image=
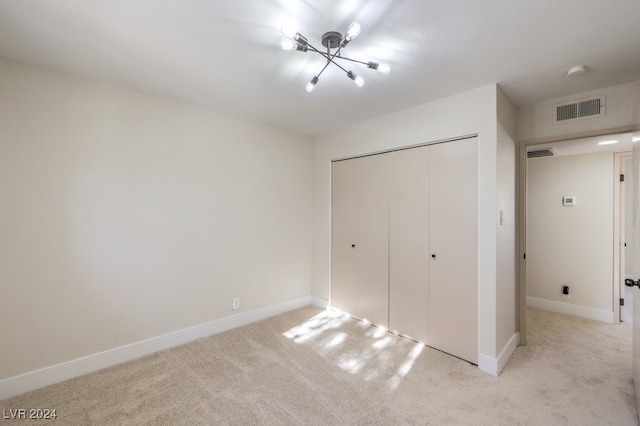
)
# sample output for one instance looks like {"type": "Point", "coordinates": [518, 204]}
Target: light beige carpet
{"type": "Point", "coordinates": [312, 367]}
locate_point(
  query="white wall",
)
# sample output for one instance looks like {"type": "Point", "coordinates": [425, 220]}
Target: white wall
{"type": "Point", "coordinates": [125, 216]}
{"type": "Point", "coordinates": [571, 245]}
{"type": "Point", "coordinates": [463, 114]}
{"type": "Point", "coordinates": [535, 122]}
{"type": "Point", "coordinates": [506, 232]}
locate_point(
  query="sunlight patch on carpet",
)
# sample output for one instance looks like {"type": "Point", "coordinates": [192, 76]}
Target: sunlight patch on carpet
{"type": "Point", "coordinates": [358, 347]}
{"type": "Point", "coordinates": [315, 326]}
{"type": "Point", "coordinates": [403, 370]}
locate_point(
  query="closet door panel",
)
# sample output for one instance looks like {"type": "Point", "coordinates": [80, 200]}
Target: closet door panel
{"type": "Point", "coordinates": [372, 246]}
{"type": "Point", "coordinates": [409, 242]}
{"type": "Point", "coordinates": [453, 289]}
{"type": "Point", "coordinates": [344, 224]}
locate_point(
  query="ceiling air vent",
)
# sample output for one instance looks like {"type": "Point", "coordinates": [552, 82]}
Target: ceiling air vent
{"type": "Point", "coordinates": [587, 108]}
{"type": "Point", "coordinates": [539, 153]}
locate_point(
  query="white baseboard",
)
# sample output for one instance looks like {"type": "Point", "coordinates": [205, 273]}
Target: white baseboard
{"type": "Point", "coordinates": [319, 302]}
{"type": "Point", "coordinates": [571, 309]}
{"type": "Point", "coordinates": [494, 366]}
{"type": "Point", "coordinates": [36, 379]}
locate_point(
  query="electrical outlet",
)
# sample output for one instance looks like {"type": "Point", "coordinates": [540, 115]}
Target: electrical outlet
{"type": "Point", "coordinates": [236, 303]}
{"type": "Point", "coordinates": [566, 292]}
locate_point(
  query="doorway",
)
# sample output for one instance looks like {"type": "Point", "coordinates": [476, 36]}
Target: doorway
{"type": "Point", "coordinates": [543, 277]}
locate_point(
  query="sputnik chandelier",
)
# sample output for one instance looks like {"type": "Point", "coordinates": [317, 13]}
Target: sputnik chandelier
{"type": "Point", "coordinates": [293, 40]}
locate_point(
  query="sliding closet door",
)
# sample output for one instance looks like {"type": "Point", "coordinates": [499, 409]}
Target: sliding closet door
{"type": "Point", "coordinates": [372, 245]}
{"type": "Point", "coordinates": [344, 226]}
{"type": "Point", "coordinates": [453, 289]}
{"type": "Point", "coordinates": [360, 238]}
{"type": "Point", "coordinates": [409, 242]}
{"type": "Point", "coordinates": [404, 239]}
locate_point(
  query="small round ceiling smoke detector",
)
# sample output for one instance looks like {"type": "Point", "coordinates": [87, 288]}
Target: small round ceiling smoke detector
{"type": "Point", "coordinates": [577, 70]}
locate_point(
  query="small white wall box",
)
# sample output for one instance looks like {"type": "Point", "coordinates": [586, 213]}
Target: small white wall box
{"type": "Point", "coordinates": [569, 200]}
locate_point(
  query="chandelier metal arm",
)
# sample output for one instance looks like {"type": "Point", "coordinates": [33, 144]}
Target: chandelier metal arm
{"type": "Point", "coordinates": [329, 58]}
{"type": "Point", "coordinates": [312, 48]}
{"type": "Point", "coordinates": [352, 60]}
{"type": "Point", "coordinates": [323, 68]}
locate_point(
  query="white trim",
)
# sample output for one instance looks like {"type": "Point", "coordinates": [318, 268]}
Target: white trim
{"type": "Point", "coordinates": [571, 309]}
{"type": "Point", "coordinates": [36, 379]}
{"type": "Point", "coordinates": [405, 147]}
{"type": "Point", "coordinates": [507, 351]}
{"type": "Point", "coordinates": [619, 201]}
{"type": "Point", "coordinates": [320, 302]}
{"type": "Point", "coordinates": [494, 366]}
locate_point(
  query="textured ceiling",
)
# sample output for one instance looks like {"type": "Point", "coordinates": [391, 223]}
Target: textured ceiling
{"type": "Point", "coordinates": [588, 145]}
{"type": "Point", "coordinates": [225, 55]}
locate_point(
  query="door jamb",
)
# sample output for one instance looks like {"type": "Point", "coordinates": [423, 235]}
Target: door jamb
{"type": "Point", "coordinates": [618, 233]}
{"type": "Point", "coordinates": [522, 245]}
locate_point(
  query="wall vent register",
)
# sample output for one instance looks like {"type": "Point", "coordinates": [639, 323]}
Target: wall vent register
{"type": "Point", "coordinates": [587, 108]}
{"type": "Point", "coordinates": [539, 153]}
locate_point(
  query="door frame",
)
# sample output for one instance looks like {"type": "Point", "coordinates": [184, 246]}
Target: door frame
{"type": "Point", "coordinates": [635, 143]}
{"type": "Point", "coordinates": [619, 203]}
{"type": "Point", "coordinates": [522, 215]}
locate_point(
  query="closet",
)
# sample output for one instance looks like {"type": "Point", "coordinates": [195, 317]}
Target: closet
{"type": "Point", "coordinates": [404, 243]}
